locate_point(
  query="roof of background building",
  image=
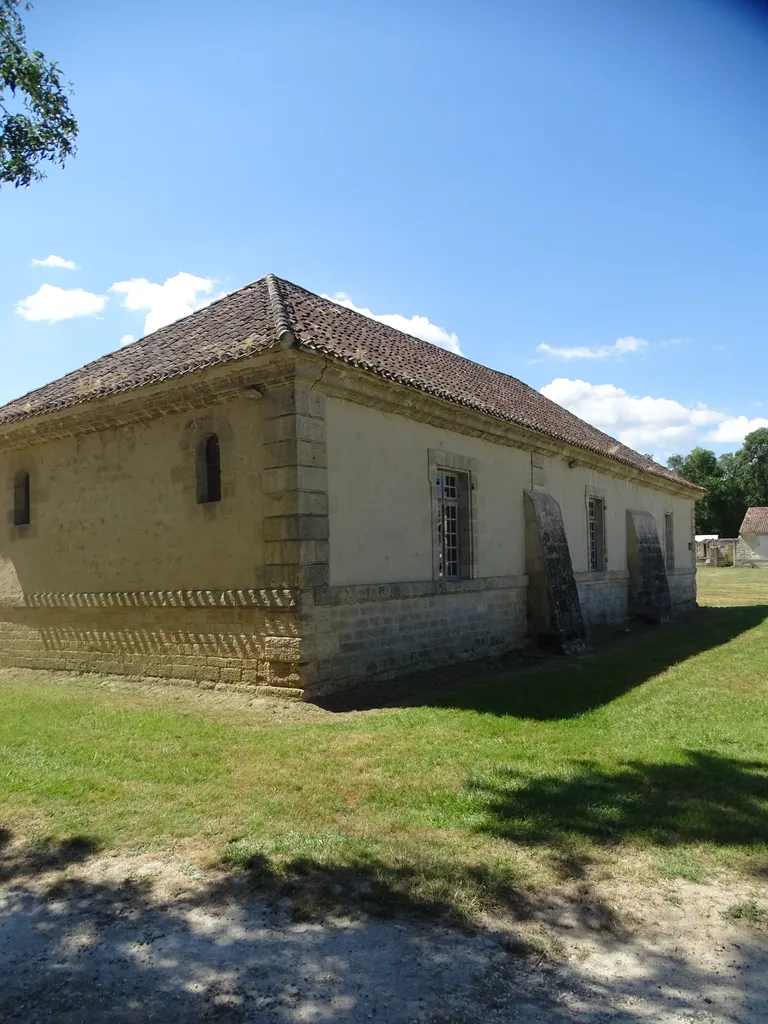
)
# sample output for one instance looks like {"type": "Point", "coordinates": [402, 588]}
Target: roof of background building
{"type": "Point", "coordinates": [256, 317]}
{"type": "Point", "coordinates": [756, 520]}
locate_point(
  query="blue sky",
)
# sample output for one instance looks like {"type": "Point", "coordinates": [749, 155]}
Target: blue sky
{"type": "Point", "coordinates": [573, 192]}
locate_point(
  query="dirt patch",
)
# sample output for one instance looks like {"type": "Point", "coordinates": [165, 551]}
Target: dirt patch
{"type": "Point", "coordinates": [131, 939]}
{"type": "Point", "coordinates": [224, 704]}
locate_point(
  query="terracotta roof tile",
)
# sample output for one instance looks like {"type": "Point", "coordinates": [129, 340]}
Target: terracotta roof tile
{"type": "Point", "coordinates": [258, 316]}
{"type": "Point", "coordinates": [755, 520]}
{"type": "Point", "coordinates": [231, 328]}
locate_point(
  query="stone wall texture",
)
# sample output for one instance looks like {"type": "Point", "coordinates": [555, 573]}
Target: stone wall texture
{"type": "Point", "coordinates": [254, 649]}
{"type": "Point", "coordinates": [604, 601]}
{"type": "Point", "coordinates": [378, 633]}
{"type": "Point", "coordinates": [682, 587]}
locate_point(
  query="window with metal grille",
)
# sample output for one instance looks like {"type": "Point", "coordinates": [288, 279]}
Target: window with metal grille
{"type": "Point", "coordinates": [209, 470]}
{"type": "Point", "coordinates": [596, 520]}
{"type": "Point", "coordinates": [21, 504]}
{"type": "Point", "coordinates": [452, 489]}
{"type": "Point", "coordinates": [669, 540]}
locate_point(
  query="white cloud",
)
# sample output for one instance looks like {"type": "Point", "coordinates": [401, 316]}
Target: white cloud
{"type": "Point", "coordinates": [177, 297]}
{"type": "Point", "coordinates": [735, 429]}
{"type": "Point", "coordinates": [53, 304]}
{"type": "Point", "coordinates": [126, 339]}
{"type": "Point", "coordinates": [56, 261]}
{"type": "Point", "coordinates": [418, 326]}
{"type": "Point", "coordinates": [621, 347]}
{"type": "Point", "coordinates": [646, 424]}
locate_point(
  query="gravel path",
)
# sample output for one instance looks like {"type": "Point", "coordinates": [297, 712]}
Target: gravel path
{"type": "Point", "coordinates": [97, 942]}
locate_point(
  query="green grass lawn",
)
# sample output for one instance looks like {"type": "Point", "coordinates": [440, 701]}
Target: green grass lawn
{"type": "Point", "coordinates": [651, 750]}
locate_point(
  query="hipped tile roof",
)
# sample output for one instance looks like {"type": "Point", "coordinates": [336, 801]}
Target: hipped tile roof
{"type": "Point", "coordinates": [755, 520]}
{"type": "Point", "coordinates": [258, 316]}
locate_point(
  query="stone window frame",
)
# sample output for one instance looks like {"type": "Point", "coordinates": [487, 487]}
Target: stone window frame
{"type": "Point", "coordinates": [24, 464]}
{"type": "Point", "coordinates": [196, 430]}
{"type": "Point", "coordinates": [439, 459]}
{"type": "Point", "coordinates": [601, 493]}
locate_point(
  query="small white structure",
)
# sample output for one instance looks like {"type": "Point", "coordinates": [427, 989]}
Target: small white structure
{"type": "Point", "coordinates": [753, 536]}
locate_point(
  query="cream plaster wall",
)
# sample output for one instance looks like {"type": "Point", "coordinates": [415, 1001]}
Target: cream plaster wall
{"type": "Point", "coordinates": [757, 544]}
{"type": "Point", "coordinates": [379, 495]}
{"type": "Point", "coordinates": [380, 500]}
{"type": "Point", "coordinates": [571, 486]}
{"type": "Point", "coordinates": [117, 510]}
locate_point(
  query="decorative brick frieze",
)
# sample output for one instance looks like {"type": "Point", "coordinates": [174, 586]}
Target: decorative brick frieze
{"type": "Point", "coordinates": [244, 648]}
{"type": "Point", "coordinates": [244, 598]}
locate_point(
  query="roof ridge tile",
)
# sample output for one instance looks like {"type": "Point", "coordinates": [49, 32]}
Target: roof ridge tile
{"type": "Point", "coordinates": [284, 332]}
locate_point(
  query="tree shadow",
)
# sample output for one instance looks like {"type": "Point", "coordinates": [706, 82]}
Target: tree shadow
{"type": "Point", "coordinates": [707, 798]}
{"type": "Point", "coordinates": [547, 687]}
{"type": "Point", "coordinates": [237, 948]}
{"type": "Point", "coordinates": [43, 854]}
{"type": "Point", "coordinates": [302, 941]}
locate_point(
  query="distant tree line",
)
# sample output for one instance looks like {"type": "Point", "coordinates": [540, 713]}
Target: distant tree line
{"type": "Point", "coordinates": [734, 482]}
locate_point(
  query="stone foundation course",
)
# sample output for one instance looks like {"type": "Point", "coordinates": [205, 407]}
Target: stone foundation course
{"type": "Point", "coordinates": [276, 643]}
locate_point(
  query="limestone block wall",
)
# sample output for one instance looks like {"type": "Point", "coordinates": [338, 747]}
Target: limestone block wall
{"type": "Point", "coordinates": [722, 551]}
{"type": "Point", "coordinates": [682, 588]}
{"type": "Point", "coordinates": [379, 632]}
{"type": "Point", "coordinates": [603, 598]}
{"type": "Point", "coordinates": [242, 640]}
{"type": "Point", "coordinates": [117, 509]}
{"type": "Point", "coordinates": [123, 570]}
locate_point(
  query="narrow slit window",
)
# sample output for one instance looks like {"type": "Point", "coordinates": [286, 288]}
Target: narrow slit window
{"type": "Point", "coordinates": [209, 471]}
{"type": "Point", "coordinates": [596, 520]}
{"type": "Point", "coordinates": [21, 504]}
{"type": "Point", "coordinates": [453, 526]}
{"type": "Point", "coordinates": [669, 540]}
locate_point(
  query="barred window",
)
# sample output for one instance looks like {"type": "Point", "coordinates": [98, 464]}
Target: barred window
{"type": "Point", "coordinates": [669, 540]}
{"type": "Point", "coordinates": [22, 511]}
{"type": "Point", "coordinates": [453, 526]}
{"type": "Point", "coordinates": [596, 521]}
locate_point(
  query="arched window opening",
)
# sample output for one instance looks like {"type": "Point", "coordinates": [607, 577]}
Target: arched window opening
{"type": "Point", "coordinates": [21, 506]}
{"type": "Point", "coordinates": [209, 470]}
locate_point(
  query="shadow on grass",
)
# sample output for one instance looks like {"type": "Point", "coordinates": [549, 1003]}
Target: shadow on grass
{"type": "Point", "coordinates": [548, 688]}
{"type": "Point", "coordinates": [705, 799]}
{"type": "Point", "coordinates": [42, 854]}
